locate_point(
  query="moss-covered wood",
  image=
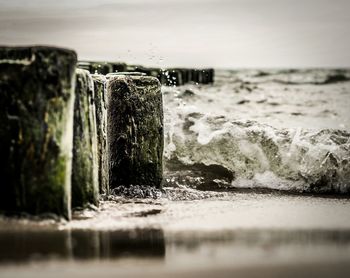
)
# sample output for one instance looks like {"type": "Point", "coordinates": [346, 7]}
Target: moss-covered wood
{"type": "Point", "coordinates": [134, 131]}
{"type": "Point", "coordinates": [36, 122]}
{"type": "Point", "coordinates": [101, 124]}
{"type": "Point", "coordinates": [85, 159]}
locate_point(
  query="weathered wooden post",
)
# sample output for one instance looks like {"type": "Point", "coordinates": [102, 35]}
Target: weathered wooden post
{"type": "Point", "coordinates": [184, 74]}
{"type": "Point", "coordinates": [118, 67]}
{"type": "Point", "coordinates": [162, 76]}
{"type": "Point", "coordinates": [84, 65]}
{"type": "Point", "coordinates": [36, 124]}
{"type": "Point", "coordinates": [195, 75]}
{"type": "Point", "coordinates": [155, 72]}
{"type": "Point", "coordinates": [101, 124]}
{"type": "Point", "coordinates": [175, 77]}
{"type": "Point", "coordinates": [134, 130]}
{"type": "Point", "coordinates": [206, 76]}
{"type": "Point", "coordinates": [211, 75]}
{"type": "Point", "coordinates": [95, 67]}
{"type": "Point", "coordinates": [85, 159]}
{"type": "Point", "coordinates": [101, 68]}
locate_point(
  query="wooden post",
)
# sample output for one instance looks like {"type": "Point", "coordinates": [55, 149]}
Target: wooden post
{"type": "Point", "coordinates": [101, 124]}
{"type": "Point", "coordinates": [36, 124]}
{"type": "Point", "coordinates": [85, 158]}
{"type": "Point", "coordinates": [134, 130]}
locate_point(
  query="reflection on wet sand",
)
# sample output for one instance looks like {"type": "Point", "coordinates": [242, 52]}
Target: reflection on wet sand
{"type": "Point", "coordinates": [24, 245]}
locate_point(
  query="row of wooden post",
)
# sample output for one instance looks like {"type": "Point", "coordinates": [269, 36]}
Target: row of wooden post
{"type": "Point", "coordinates": [166, 76]}
{"type": "Point", "coordinates": [67, 135]}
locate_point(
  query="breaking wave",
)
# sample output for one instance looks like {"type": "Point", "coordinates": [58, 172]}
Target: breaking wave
{"type": "Point", "coordinates": [208, 151]}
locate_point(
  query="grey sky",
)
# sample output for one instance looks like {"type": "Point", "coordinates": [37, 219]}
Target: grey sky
{"type": "Point", "coordinates": [221, 33]}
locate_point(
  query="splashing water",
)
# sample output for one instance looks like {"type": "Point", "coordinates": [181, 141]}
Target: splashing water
{"type": "Point", "coordinates": [215, 140]}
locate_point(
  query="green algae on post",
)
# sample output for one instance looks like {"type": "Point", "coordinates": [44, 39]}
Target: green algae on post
{"type": "Point", "coordinates": [36, 122]}
{"type": "Point", "coordinates": [134, 131]}
{"type": "Point", "coordinates": [85, 158]}
{"type": "Point", "coordinates": [101, 124]}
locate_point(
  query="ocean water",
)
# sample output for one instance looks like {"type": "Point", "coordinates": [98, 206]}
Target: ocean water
{"type": "Point", "coordinates": [256, 184]}
{"type": "Point", "coordinates": [275, 129]}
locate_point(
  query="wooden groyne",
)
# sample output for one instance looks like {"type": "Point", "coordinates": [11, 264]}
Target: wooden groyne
{"type": "Point", "coordinates": [70, 130]}
{"type": "Point", "coordinates": [166, 76]}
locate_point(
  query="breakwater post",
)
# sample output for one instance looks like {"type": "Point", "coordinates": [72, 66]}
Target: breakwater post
{"type": "Point", "coordinates": [85, 154]}
{"type": "Point", "coordinates": [101, 123]}
{"type": "Point", "coordinates": [36, 123]}
{"type": "Point", "coordinates": [134, 130]}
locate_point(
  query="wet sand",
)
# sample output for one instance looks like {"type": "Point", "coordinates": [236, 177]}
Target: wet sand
{"type": "Point", "coordinates": [225, 234]}
{"type": "Point", "coordinates": [93, 269]}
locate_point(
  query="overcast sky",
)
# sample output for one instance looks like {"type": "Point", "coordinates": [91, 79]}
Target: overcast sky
{"type": "Point", "coordinates": [220, 33]}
